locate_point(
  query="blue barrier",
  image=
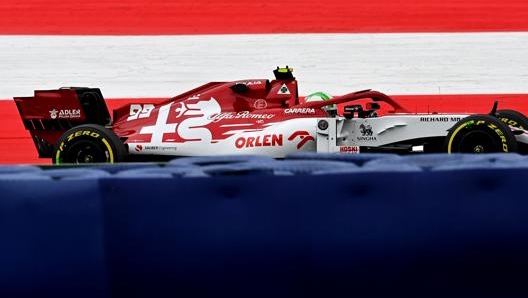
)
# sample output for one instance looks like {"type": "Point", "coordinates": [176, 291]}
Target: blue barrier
{"type": "Point", "coordinates": [51, 239]}
{"type": "Point", "coordinates": [408, 226]}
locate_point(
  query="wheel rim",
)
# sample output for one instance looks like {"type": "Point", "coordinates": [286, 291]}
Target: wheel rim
{"type": "Point", "coordinates": [85, 151]}
{"type": "Point", "coordinates": [477, 142]}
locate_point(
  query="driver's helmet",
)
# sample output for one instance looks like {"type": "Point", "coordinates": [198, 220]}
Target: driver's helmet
{"type": "Point", "coordinates": [321, 96]}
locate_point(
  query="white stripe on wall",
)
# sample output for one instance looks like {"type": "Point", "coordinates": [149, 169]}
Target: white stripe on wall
{"type": "Point", "coordinates": [162, 66]}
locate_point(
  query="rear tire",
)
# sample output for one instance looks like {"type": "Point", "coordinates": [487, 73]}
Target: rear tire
{"type": "Point", "coordinates": [88, 143]}
{"type": "Point", "coordinates": [480, 134]}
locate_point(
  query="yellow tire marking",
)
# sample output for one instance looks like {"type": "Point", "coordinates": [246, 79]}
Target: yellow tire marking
{"type": "Point", "coordinates": [454, 135]}
{"type": "Point", "coordinates": [109, 150]}
{"type": "Point", "coordinates": [57, 156]}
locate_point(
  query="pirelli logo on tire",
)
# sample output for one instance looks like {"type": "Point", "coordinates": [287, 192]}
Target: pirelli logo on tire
{"type": "Point", "coordinates": [480, 134]}
{"type": "Point", "coordinates": [498, 131]}
{"type": "Point", "coordinates": [81, 133]}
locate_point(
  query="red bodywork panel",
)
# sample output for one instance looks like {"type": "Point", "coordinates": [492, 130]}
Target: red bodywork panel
{"type": "Point", "coordinates": [248, 105]}
{"type": "Point", "coordinates": [258, 97]}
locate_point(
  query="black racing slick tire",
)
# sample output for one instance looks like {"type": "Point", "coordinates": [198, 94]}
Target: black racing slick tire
{"type": "Point", "coordinates": [88, 143]}
{"type": "Point", "coordinates": [480, 134]}
{"type": "Point", "coordinates": [513, 118]}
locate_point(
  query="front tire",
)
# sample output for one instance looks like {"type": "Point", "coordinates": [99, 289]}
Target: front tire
{"type": "Point", "coordinates": [513, 118]}
{"type": "Point", "coordinates": [88, 143]}
{"type": "Point", "coordinates": [480, 134]}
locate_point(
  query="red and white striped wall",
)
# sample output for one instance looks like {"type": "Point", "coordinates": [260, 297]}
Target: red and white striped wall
{"type": "Point", "coordinates": [450, 54]}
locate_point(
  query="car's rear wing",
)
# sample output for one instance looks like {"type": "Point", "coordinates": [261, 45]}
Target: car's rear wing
{"type": "Point", "coordinates": [49, 113]}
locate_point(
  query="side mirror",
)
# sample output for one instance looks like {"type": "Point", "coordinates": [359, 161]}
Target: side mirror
{"type": "Point", "coordinates": [372, 106]}
{"type": "Point", "coordinates": [349, 111]}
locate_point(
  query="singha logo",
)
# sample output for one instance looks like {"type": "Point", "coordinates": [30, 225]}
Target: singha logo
{"type": "Point", "coordinates": [366, 130]}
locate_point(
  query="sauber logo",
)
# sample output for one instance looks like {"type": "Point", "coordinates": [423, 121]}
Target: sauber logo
{"type": "Point", "coordinates": [303, 135]}
{"type": "Point", "coordinates": [139, 148]}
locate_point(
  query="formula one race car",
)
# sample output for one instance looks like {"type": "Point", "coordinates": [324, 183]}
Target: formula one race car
{"type": "Point", "coordinates": [254, 116]}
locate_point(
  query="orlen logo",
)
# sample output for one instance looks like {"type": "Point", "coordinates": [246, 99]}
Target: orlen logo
{"type": "Point", "coordinates": [272, 140]}
{"type": "Point", "coordinates": [259, 141]}
{"type": "Point", "coordinates": [303, 135]}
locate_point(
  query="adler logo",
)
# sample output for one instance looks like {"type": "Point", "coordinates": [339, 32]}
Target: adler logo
{"type": "Point", "coordinates": [65, 113]}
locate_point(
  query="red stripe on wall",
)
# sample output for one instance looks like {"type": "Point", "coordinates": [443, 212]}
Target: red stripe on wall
{"type": "Point", "coordinates": [153, 17]}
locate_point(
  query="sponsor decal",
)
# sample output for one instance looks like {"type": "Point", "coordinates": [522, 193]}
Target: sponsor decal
{"type": "Point", "coordinates": [140, 148]}
{"type": "Point", "coordinates": [240, 115]}
{"type": "Point", "coordinates": [65, 113]}
{"type": "Point", "coordinates": [366, 130]}
{"type": "Point", "coordinates": [249, 83]}
{"type": "Point", "coordinates": [349, 149]}
{"type": "Point", "coordinates": [284, 90]}
{"type": "Point", "coordinates": [80, 133]}
{"type": "Point", "coordinates": [439, 119]}
{"type": "Point", "coordinates": [366, 133]}
{"type": "Point", "coordinates": [512, 122]}
{"type": "Point", "coordinates": [303, 135]}
{"type": "Point", "coordinates": [270, 140]}
{"type": "Point", "coordinates": [300, 111]}
{"type": "Point", "coordinates": [260, 104]}
{"type": "Point", "coordinates": [138, 111]}
{"type": "Point", "coordinates": [191, 128]}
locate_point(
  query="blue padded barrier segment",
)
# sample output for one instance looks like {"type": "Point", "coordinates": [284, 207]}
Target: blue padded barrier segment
{"type": "Point", "coordinates": [270, 229]}
{"type": "Point", "coordinates": [358, 159]}
{"type": "Point", "coordinates": [8, 169]}
{"type": "Point", "coordinates": [375, 167]}
{"type": "Point", "coordinates": [51, 239]}
{"type": "Point", "coordinates": [371, 235]}
{"type": "Point", "coordinates": [244, 168]}
{"type": "Point", "coordinates": [215, 160]}
{"type": "Point", "coordinates": [483, 161]}
{"type": "Point", "coordinates": [428, 161]}
{"type": "Point", "coordinates": [4, 177]}
{"type": "Point", "coordinates": [218, 237]}
{"type": "Point", "coordinates": [163, 172]}
{"type": "Point", "coordinates": [480, 164]}
{"type": "Point", "coordinates": [498, 157]}
{"type": "Point", "coordinates": [74, 173]}
{"type": "Point", "coordinates": [275, 167]}
{"type": "Point", "coordinates": [424, 161]}
{"type": "Point", "coordinates": [118, 167]}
